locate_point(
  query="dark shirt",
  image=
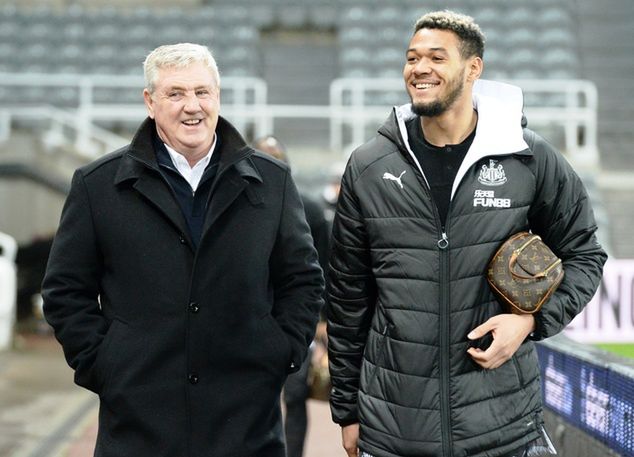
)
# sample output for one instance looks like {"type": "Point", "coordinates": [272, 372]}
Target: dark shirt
{"type": "Point", "coordinates": [440, 164]}
{"type": "Point", "coordinates": [192, 204]}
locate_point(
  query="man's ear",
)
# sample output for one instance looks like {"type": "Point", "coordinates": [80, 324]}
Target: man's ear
{"type": "Point", "coordinates": [147, 98]}
{"type": "Point", "coordinates": [475, 67]}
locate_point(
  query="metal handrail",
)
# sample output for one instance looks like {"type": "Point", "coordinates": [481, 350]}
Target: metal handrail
{"type": "Point", "coordinates": [82, 117]}
{"type": "Point", "coordinates": [347, 109]}
{"type": "Point", "coordinates": [579, 110]}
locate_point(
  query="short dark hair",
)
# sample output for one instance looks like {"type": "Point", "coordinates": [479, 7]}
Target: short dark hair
{"type": "Point", "coordinates": [273, 147]}
{"type": "Point", "coordinates": [469, 33]}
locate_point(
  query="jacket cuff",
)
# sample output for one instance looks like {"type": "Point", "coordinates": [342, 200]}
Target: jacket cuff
{"type": "Point", "coordinates": [538, 333]}
{"type": "Point", "coordinates": [345, 423]}
{"type": "Point", "coordinates": [298, 355]}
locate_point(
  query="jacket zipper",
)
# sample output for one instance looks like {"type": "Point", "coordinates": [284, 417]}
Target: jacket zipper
{"type": "Point", "coordinates": [443, 245]}
{"type": "Point", "coordinates": [445, 407]}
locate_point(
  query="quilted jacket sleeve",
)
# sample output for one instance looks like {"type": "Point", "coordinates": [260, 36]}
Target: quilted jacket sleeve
{"type": "Point", "coordinates": [352, 297]}
{"type": "Point", "coordinates": [562, 215]}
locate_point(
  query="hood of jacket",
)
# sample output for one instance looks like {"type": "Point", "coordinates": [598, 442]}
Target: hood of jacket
{"type": "Point", "coordinates": [498, 131]}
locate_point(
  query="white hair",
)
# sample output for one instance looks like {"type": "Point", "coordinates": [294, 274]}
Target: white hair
{"type": "Point", "coordinates": [180, 55]}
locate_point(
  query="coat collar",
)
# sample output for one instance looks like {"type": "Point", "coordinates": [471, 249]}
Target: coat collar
{"type": "Point", "coordinates": [139, 167]}
{"type": "Point", "coordinates": [140, 156]}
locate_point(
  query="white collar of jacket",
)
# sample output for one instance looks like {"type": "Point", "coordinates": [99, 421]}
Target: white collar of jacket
{"type": "Point", "coordinates": [499, 130]}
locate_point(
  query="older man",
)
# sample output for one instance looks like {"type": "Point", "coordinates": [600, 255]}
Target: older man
{"type": "Point", "coordinates": [182, 282]}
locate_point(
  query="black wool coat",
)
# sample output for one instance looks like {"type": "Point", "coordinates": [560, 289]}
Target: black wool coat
{"type": "Point", "coordinates": [187, 348]}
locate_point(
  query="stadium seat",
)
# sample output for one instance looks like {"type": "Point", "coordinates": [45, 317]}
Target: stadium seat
{"type": "Point", "coordinates": [355, 35]}
{"type": "Point", "coordinates": [521, 16]}
{"type": "Point", "coordinates": [355, 55]}
{"type": "Point", "coordinates": [522, 36]}
{"type": "Point", "coordinates": [388, 15]}
{"type": "Point", "coordinates": [560, 58]}
{"type": "Point", "coordinates": [555, 16]}
{"type": "Point", "coordinates": [560, 37]}
{"type": "Point", "coordinates": [522, 40]}
{"type": "Point", "coordinates": [322, 16]}
{"type": "Point", "coordinates": [356, 15]}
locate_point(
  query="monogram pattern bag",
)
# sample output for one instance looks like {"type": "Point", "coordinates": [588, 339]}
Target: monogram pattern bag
{"type": "Point", "coordinates": [524, 273]}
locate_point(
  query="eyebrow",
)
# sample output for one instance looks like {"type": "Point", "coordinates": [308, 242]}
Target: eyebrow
{"type": "Point", "coordinates": [440, 48]}
{"type": "Point", "coordinates": [180, 87]}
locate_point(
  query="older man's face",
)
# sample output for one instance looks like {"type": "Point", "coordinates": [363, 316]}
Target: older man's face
{"type": "Point", "coordinates": [185, 105]}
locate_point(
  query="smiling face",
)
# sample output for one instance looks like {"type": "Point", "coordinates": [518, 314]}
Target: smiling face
{"type": "Point", "coordinates": [185, 103]}
{"type": "Point", "coordinates": [435, 72]}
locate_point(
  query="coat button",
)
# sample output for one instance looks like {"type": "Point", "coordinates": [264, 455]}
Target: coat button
{"type": "Point", "coordinates": [181, 238]}
{"type": "Point", "coordinates": [193, 307]}
{"type": "Point", "coordinates": [193, 378]}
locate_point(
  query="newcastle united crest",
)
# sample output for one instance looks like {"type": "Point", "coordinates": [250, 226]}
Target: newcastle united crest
{"type": "Point", "coordinates": [492, 175]}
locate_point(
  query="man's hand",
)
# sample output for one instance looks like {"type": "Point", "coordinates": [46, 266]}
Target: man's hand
{"type": "Point", "coordinates": [321, 335]}
{"type": "Point", "coordinates": [508, 331]}
{"type": "Point", "coordinates": [350, 438]}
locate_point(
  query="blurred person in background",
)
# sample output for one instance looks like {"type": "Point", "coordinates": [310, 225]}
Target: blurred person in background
{"type": "Point", "coordinates": [296, 390]}
{"type": "Point", "coordinates": [423, 359]}
{"type": "Point", "coordinates": [183, 283]}
{"type": "Point", "coordinates": [330, 192]}
{"type": "Point", "coordinates": [31, 263]}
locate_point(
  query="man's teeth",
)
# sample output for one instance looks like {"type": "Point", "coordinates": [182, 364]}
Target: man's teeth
{"type": "Point", "coordinates": [424, 86]}
{"type": "Point", "coordinates": [192, 122]}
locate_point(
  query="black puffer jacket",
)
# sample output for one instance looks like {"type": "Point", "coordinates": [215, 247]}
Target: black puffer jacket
{"type": "Point", "coordinates": [404, 295]}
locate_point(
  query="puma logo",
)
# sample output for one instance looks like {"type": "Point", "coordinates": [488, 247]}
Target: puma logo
{"type": "Point", "coordinates": [391, 177]}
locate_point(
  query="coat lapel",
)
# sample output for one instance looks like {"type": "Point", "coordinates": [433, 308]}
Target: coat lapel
{"type": "Point", "coordinates": [223, 195]}
{"type": "Point", "coordinates": [235, 170]}
{"type": "Point", "coordinates": [158, 193]}
{"type": "Point", "coordinates": [139, 167]}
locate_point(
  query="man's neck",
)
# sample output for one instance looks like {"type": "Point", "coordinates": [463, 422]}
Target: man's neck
{"type": "Point", "coordinates": [451, 127]}
{"type": "Point", "coordinates": [193, 157]}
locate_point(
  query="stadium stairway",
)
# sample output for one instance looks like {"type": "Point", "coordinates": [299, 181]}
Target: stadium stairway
{"type": "Point", "coordinates": [33, 185]}
{"type": "Point", "coordinates": [606, 36]}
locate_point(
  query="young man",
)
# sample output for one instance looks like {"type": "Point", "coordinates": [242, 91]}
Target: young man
{"type": "Point", "coordinates": [409, 304]}
{"type": "Point", "coordinates": [182, 282]}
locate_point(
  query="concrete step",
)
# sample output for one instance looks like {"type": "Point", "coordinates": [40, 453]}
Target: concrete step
{"type": "Point", "coordinates": [614, 9]}
{"type": "Point", "coordinates": [602, 27]}
{"type": "Point", "coordinates": [609, 62]}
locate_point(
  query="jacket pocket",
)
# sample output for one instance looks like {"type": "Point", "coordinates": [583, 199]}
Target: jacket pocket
{"type": "Point", "coordinates": [102, 368]}
{"type": "Point", "coordinates": [518, 369]}
{"type": "Point", "coordinates": [382, 343]}
{"type": "Point", "coordinates": [277, 340]}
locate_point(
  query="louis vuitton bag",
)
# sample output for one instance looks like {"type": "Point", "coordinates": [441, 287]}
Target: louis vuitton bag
{"type": "Point", "coordinates": [524, 273]}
